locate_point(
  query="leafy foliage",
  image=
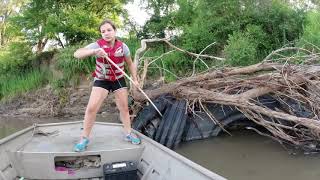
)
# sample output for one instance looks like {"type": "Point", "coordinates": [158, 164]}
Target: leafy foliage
{"type": "Point", "coordinates": [248, 47]}
{"type": "Point", "coordinates": [244, 31]}
{"type": "Point", "coordinates": [241, 50]}
{"type": "Point", "coordinates": [72, 67]}
{"type": "Point", "coordinates": [160, 19]}
{"type": "Point", "coordinates": [311, 33]}
{"type": "Point", "coordinates": [7, 10]}
{"type": "Point", "coordinates": [16, 57]}
{"type": "Point", "coordinates": [77, 20]}
{"type": "Point", "coordinates": [277, 19]}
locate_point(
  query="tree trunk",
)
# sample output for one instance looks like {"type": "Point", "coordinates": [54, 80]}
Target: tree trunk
{"type": "Point", "coordinates": [1, 38]}
{"type": "Point", "coordinates": [41, 44]}
{"type": "Point", "coordinates": [60, 42]}
{"type": "Point", "coordinates": [2, 32]}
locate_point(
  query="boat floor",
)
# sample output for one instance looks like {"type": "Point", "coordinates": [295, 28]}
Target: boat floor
{"type": "Point", "coordinates": [61, 139]}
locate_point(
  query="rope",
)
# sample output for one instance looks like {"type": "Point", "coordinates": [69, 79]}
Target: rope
{"type": "Point", "coordinates": [127, 76]}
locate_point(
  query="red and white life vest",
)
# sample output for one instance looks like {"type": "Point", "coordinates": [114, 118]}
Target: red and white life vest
{"type": "Point", "coordinates": [105, 70]}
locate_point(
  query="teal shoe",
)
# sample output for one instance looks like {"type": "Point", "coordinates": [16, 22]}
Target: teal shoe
{"type": "Point", "coordinates": [133, 138]}
{"type": "Point", "coordinates": [82, 145]}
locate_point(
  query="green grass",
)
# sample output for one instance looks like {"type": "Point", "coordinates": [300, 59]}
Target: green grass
{"type": "Point", "coordinates": [72, 67]}
{"type": "Point", "coordinates": [14, 85]}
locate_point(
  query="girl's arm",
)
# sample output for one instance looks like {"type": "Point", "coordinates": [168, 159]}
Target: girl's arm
{"type": "Point", "coordinates": [85, 52]}
{"type": "Point", "coordinates": [132, 69]}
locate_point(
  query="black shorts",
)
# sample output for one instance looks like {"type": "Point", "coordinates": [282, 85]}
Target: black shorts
{"type": "Point", "coordinates": [111, 85]}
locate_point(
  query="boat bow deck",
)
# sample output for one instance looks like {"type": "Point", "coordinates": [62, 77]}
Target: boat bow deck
{"type": "Point", "coordinates": [49, 144]}
{"type": "Point", "coordinates": [61, 139]}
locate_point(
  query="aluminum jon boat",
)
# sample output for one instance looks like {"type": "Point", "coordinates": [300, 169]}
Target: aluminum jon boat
{"type": "Point", "coordinates": [44, 151]}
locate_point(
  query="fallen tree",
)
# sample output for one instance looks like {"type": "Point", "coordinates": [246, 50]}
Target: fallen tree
{"type": "Point", "coordinates": [296, 86]}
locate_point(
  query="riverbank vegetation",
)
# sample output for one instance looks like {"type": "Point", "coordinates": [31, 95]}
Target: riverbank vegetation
{"type": "Point", "coordinates": [38, 39]}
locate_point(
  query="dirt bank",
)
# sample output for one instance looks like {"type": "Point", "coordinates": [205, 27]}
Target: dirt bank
{"type": "Point", "coordinates": [47, 103]}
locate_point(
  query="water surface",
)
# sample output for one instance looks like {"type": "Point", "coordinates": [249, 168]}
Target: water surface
{"type": "Point", "coordinates": [249, 156]}
{"type": "Point", "coordinates": [243, 156]}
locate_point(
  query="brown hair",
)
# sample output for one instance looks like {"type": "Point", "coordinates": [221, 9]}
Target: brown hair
{"type": "Point", "coordinates": [107, 21]}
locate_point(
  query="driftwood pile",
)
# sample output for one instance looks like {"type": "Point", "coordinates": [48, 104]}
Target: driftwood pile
{"type": "Point", "coordinates": [296, 87]}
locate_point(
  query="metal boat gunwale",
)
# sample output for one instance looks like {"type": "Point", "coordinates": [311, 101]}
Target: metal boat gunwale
{"type": "Point", "coordinates": [16, 134]}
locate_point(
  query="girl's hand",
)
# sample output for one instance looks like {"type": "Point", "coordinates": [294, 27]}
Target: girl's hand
{"type": "Point", "coordinates": [99, 52]}
{"type": "Point", "coordinates": [136, 83]}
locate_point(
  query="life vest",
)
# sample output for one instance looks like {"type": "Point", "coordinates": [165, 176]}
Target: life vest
{"type": "Point", "coordinates": [104, 69]}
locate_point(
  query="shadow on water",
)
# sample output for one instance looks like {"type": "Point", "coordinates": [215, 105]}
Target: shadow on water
{"type": "Point", "coordinates": [243, 156]}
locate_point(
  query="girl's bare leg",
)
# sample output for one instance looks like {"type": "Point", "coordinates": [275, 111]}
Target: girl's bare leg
{"type": "Point", "coordinates": [97, 97]}
{"type": "Point", "coordinates": [121, 96]}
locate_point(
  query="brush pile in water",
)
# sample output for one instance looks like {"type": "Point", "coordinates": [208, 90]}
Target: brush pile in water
{"type": "Point", "coordinates": [281, 94]}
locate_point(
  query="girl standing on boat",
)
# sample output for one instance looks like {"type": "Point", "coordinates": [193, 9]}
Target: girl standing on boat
{"type": "Point", "coordinates": [107, 78]}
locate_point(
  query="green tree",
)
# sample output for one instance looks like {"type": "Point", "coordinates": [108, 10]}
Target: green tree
{"type": "Point", "coordinates": [77, 20]}
{"type": "Point", "coordinates": [214, 21]}
{"type": "Point", "coordinates": [160, 19]}
{"type": "Point", "coordinates": [7, 8]}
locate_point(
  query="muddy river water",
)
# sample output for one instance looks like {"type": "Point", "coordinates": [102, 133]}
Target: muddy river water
{"type": "Point", "coordinates": [243, 156]}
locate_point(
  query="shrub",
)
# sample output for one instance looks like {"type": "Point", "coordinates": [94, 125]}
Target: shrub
{"type": "Point", "coordinates": [16, 57]}
{"type": "Point", "coordinates": [311, 32]}
{"type": "Point", "coordinates": [71, 66]}
{"type": "Point", "coordinates": [241, 50]}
